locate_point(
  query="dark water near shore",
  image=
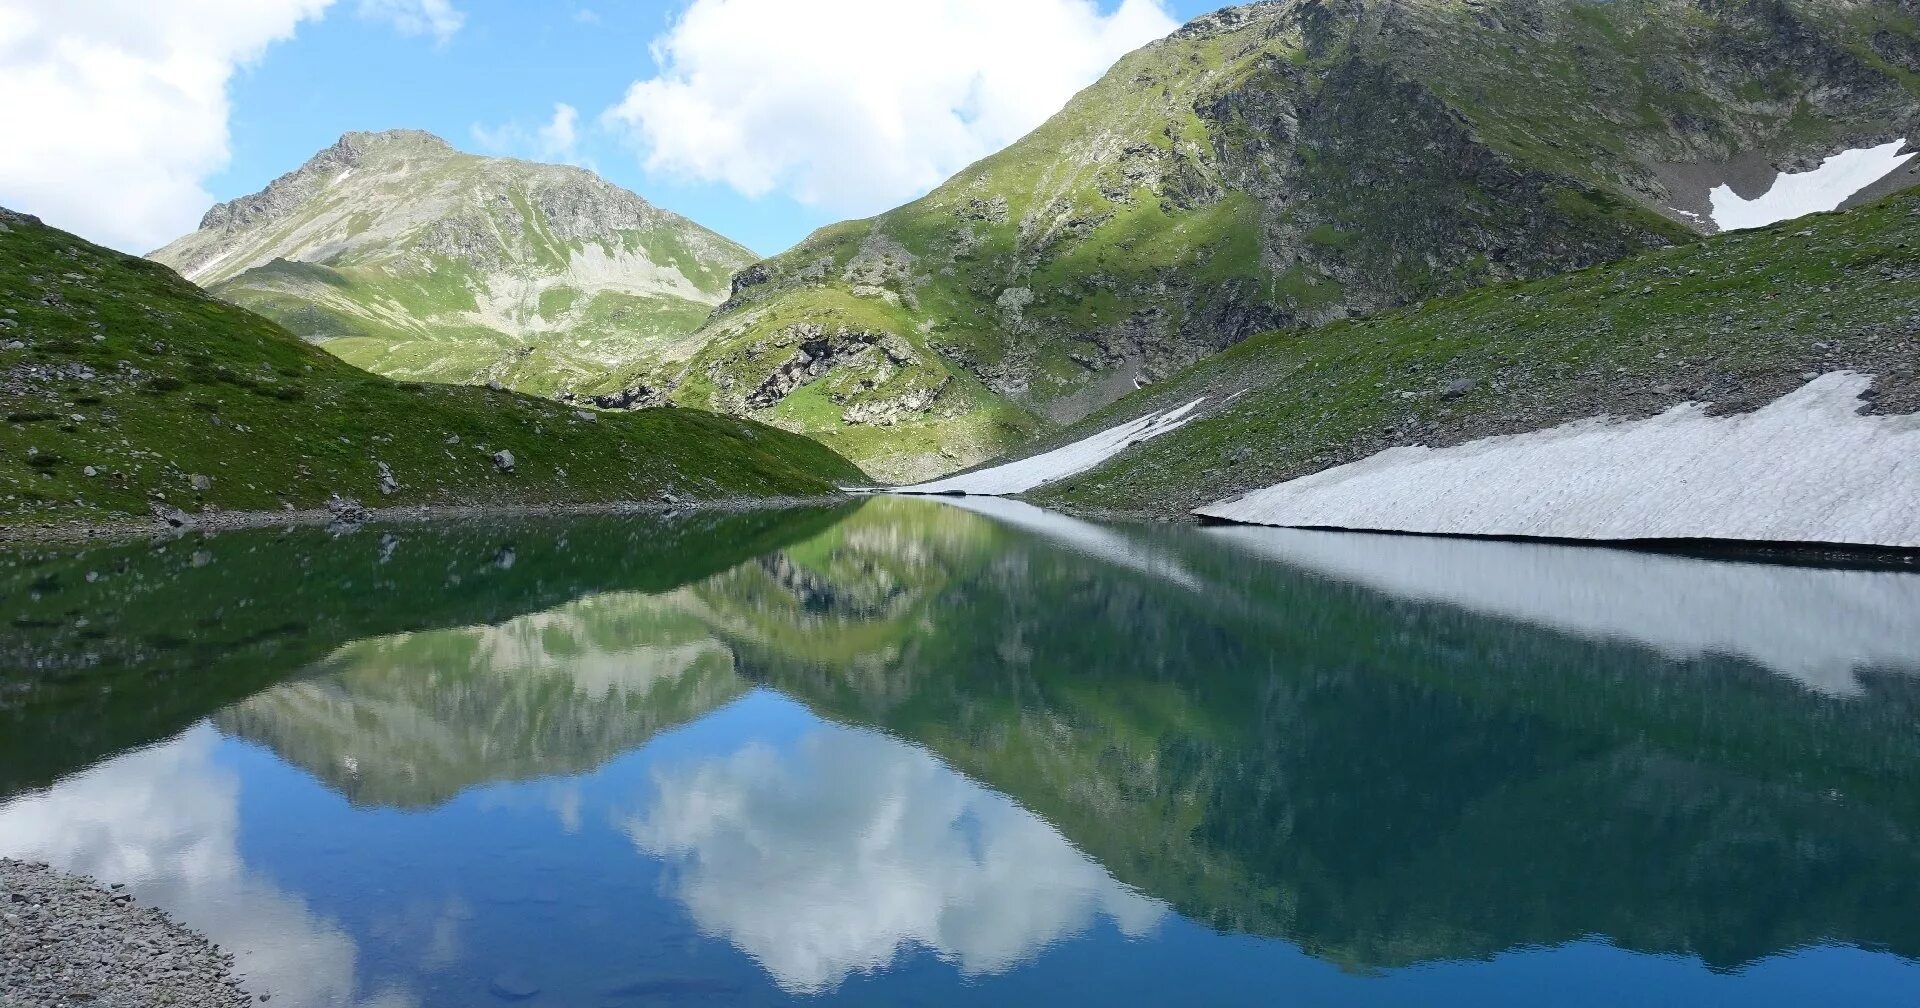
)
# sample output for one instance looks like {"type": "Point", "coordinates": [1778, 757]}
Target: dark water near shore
{"type": "Point", "coordinates": [904, 752]}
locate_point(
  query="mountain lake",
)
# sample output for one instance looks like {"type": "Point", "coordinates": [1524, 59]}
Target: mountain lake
{"type": "Point", "coordinates": [919, 752]}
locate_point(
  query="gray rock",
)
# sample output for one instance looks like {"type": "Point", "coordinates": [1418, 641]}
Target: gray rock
{"type": "Point", "coordinates": [1458, 388]}
{"type": "Point", "coordinates": [173, 516]}
{"type": "Point", "coordinates": [388, 484]}
{"type": "Point", "coordinates": [503, 460]}
{"type": "Point", "coordinates": [347, 510]}
{"type": "Point", "coordinates": [200, 484]}
{"type": "Point", "coordinates": [69, 940]}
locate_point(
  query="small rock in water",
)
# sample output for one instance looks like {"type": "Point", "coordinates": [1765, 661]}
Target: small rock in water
{"type": "Point", "coordinates": [513, 985]}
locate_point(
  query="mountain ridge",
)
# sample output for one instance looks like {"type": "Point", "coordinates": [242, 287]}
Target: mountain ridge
{"type": "Point", "coordinates": [415, 260]}
{"type": "Point", "coordinates": [1281, 166]}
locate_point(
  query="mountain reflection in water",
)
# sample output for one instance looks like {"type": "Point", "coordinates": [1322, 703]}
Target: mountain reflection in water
{"type": "Point", "coordinates": [907, 750]}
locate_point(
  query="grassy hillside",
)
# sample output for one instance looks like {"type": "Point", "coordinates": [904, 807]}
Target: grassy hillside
{"type": "Point", "coordinates": [126, 388]}
{"type": "Point", "coordinates": [423, 263]}
{"type": "Point", "coordinates": [1736, 320]}
{"type": "Point", "coordinates": [1285, 165]}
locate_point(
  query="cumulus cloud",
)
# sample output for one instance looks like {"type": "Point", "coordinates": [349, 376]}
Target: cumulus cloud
{"type": "Point", "coordinates": [114, 111]}
{"type": "Point", "coordinates": [165, 822]}
{"type": "Point", "coordinates": [437, 18]}
{"type": "Point", "coordinates": [557, 139]}
{"type": "Point", "coordinates": [834, 857]}
{"type": "Point", "coordinates": [856, 105]}
{"type": "Point", "coordinates": [559, 135]}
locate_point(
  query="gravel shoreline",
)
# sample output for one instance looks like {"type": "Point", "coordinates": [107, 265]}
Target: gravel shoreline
{"type": "Point", "coordinates": [68, 940]}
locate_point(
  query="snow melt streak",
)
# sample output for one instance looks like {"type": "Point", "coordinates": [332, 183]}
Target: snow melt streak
{"type": "Point", "coordinates": [1027, 473]}
{"type": "Point", "coordinates": [1807, 468]}
{"type": "Point", "coordinates": [1816, 191]}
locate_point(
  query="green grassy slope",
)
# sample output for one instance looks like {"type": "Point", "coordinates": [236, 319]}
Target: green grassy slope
{"type": "Point", "coordinates": [1280, 166]}
{"type": "Point", "coordinates": [1738, 320]}
{"type": "Point", "coordinates": [121, 383]}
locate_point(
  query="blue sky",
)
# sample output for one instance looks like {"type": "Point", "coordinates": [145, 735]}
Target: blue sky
{"type": "Point", "coordinates": [503, 70]}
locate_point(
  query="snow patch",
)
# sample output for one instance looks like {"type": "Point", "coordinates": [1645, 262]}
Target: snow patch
{"type": "Point", "coordinates": [1817, 627]}
{"type": "Point", "coordinates": [1806, 468]}
{"type": "Point", "coordinates": [1824, 188]}
{"type": "Point", "coordinates": [204, 268]}
{"type": "Point", "coordinates": [1025, 474]}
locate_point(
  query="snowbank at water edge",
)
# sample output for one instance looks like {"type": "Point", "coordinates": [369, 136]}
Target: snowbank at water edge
{"type": "Point", "coordinates": [1808, 468]}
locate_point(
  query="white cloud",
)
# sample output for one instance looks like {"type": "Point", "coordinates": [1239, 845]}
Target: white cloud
{"type": "Point", "coordinates": [115, 111]}
{"type": "Point", "coordinates": [856, 105]}
{"type": "Point", "coordinates": [558, 139]}
{"type": "Point", "coordinates": [165, 822]}
{"type": "Point", "coordinates": [834, 857]}
{"type": "Point", "coordinates": [416, 17]}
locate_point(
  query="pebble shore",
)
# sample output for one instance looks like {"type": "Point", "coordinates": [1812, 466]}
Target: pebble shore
{"type": "Point", "coordinates": [66, 940]}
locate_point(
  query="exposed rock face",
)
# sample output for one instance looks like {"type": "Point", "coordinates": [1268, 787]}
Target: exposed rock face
{"type": "Point", "coordinates": [1293, 163]}
{"type": "Point", "coordinates": [425, 263]}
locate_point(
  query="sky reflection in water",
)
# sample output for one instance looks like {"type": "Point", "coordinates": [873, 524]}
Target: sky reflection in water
{"type": "Point", "coordinates": [909, 753]}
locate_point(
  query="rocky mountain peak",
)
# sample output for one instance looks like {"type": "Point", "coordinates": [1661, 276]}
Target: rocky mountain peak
{"type": "Point", "coordinates": [289, 191]}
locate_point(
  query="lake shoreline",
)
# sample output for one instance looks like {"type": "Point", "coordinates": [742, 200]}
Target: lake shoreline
{"type": "Point", "coordinates": [234, 521]}
{"type": "Point", "coordinates": [66, 937]}
{"type": "Point", "coordinates": [1806, 554]}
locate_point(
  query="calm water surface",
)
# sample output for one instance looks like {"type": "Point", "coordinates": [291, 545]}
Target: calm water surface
{"type": "Point", "coordinates": [908, 752]}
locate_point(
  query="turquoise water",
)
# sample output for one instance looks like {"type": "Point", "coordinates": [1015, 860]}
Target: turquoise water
{"type": "Point", "coordinates": [906, 752]}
